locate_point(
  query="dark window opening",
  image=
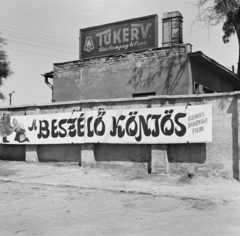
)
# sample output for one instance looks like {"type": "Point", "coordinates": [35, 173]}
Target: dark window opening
{"type": "Point", "coordinates": [200, 89]}
{"type": "Point", "coordinates": [138, 95]}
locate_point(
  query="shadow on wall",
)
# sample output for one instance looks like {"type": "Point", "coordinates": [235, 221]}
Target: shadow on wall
{"type": "Point", "coordinates": [187, 153]}
{"type": "Point", "coordinates": [177, 153]}
{"type": "Point", "coordinates": [59, 153]}
{"type": "Point", "coordinates": [169, 71]}
{"type": "Point", "coordinates": [188, 158]}
{"type": "Point", "coordinates": [13, 152]}
{"type": "Point", "coordinates": [133, 153]}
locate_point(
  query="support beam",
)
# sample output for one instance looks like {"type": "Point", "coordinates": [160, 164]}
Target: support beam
{"type": "Point", "coordinates": [87, 155]}
{"type": "Point", "coordinates": [159, 159]}
{"type": "Point", "coordinates": [31, 153]}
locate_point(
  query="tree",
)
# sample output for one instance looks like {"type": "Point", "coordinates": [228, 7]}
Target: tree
{"type": "Point", "coordinates": [5, 70]}
{"type": "Point", "coordinates": [226, 12]}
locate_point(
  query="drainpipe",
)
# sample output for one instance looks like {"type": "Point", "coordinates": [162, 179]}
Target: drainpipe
{"type": "Point", "coordinates": [49, 85]}
{"type": "Point", "coordinates": [47, 76]}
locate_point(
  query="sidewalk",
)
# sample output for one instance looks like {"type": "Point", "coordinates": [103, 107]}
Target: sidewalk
{"type": "Point", "coordinates": [70, 174]}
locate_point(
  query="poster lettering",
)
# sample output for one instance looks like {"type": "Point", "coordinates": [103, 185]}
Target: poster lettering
{"type": "Point", "coordinates": [191, 124]}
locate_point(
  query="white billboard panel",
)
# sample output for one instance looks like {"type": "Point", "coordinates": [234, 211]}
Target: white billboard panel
{"type": "Point", "coordinates": [182, 124]}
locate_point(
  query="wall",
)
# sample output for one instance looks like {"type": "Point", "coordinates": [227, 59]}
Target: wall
{"type": "Point", "coordinates": [221, 157]}
{"type": "Point", "coordinates": [161, 71]}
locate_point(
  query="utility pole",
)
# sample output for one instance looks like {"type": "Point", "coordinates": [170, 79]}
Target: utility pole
{"type": "Point", "coordinates": [10, 95]}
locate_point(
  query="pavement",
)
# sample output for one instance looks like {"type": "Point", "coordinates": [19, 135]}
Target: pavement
{"type": "Point", "coordinates": [212, 188]}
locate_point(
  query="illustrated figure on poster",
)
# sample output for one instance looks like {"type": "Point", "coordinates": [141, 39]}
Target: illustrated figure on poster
{"type": "Point", "coordinates": [5, 127]}
{"type": "Point", "coordinates": [20, 130]}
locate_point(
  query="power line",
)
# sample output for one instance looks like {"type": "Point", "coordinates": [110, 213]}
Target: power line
{"type": "Point", "coordinates": [37, 53]}
{"type": "Point", "coordinates": [31, 39]}
{"type": "Point", "coordinates": [38, 46]}
{"type": "Point", "coordinates": [48, 32]}
{"type": "Point", "coordinates": [204, 42]}
{"type": "Point", "coordinates": [42, 37]}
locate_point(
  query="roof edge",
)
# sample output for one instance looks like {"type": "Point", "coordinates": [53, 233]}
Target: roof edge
{"type": "Point", "coordinates": [199, 53]}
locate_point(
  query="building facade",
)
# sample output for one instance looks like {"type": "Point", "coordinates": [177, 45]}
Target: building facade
{"type": "Point", "coordinates": [169, 70]}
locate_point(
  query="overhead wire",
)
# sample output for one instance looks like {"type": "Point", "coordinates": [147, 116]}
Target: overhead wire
{"type": "Point", "coordinates": [29, 39]}
{"type": "Point", "coordinates": [11, 49]}
{"type": "Point", "coordinates": [42, 45]}
{"type": "Point", "coordinates": [35, 40]}
{"type": "Point", "coordinates": [27, 35]}
{"type": "Point", "coordinates": [48, 44]}
{"type": "Point", "coordinates": [39, 46]}
{"type": "Point", "coordinates": [219, 57]}
{"type": "Point", "coordinates": [25, 27]}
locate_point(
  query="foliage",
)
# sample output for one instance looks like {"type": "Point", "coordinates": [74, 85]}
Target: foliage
{"type": "Point", "coordinates": [5, 70]}
{"type": "Point", "coordinates": [226, 12]}
{"type": "Point", "coordinates": [221, 11]}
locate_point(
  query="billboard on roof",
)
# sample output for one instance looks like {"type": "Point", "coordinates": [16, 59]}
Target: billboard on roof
{"type": "Point", "coordinates": [119, 37]}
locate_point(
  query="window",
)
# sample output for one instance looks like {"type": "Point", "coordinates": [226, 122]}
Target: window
{"type": "Point", "coordinates": [200, 89]}
{"type": "Point", "coordinates": [137, 95]}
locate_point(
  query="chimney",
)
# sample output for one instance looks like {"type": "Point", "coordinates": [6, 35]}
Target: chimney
{"type": "Point", "coordinates": [171, 28]}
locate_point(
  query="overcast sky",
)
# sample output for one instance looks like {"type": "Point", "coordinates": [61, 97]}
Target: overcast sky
{"type": "Point", "coordinates": [42, 32]}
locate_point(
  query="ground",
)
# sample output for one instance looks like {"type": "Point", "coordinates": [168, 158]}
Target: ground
{"type": "Point", "coordinates": [65, 199]}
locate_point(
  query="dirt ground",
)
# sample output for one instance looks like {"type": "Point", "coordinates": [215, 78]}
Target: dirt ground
{"type": "Point", "coordinates": [68, 200]}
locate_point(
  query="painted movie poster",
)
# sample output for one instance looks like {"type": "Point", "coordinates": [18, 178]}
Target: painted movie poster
{"type": "Point", "coordinates": [184, 124]}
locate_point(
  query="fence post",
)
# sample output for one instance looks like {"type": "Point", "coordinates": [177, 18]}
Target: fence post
{"type": "Point", "coordinates": [32, 150]}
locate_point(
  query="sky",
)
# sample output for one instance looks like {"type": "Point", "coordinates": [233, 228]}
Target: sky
{"type": "Point", "coordinates": [40, 33]}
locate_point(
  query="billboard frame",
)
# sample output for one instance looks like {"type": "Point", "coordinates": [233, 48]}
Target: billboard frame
{"type": "Point", "coordinates": [155, 44]}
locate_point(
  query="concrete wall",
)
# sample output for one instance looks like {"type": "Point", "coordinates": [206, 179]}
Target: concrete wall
{"type": "Point", "coordinates": [221, 157]}
{"type": "Point", "coordinates": [164, 72]}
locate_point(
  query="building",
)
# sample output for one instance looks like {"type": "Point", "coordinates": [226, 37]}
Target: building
{"type": "Point", "coordinates": [172, 69]}
{"type": "Point", "coordinates": [95, 120]}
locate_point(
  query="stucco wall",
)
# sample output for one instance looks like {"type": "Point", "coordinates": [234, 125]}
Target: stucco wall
{"type": "Point", "coordinates": [221, 157]}
{"type": "Point", "coordinates": [159, 71]}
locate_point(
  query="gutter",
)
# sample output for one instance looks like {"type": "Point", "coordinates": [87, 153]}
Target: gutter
{"type": "Point", "coordinates": [47, 76]}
